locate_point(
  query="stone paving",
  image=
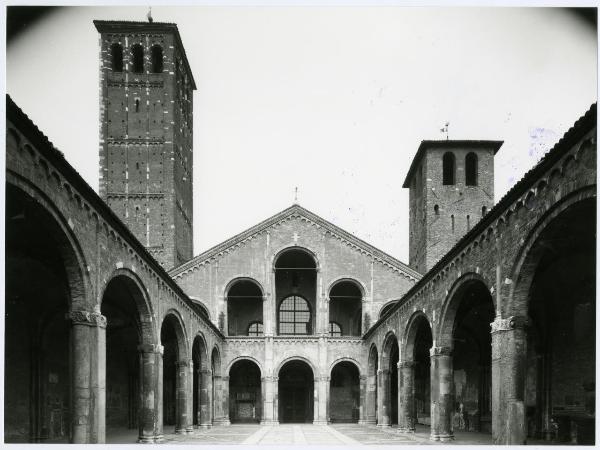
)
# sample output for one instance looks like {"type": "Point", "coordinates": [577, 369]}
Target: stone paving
{"type": "Point", "coordinates": [302, 434]}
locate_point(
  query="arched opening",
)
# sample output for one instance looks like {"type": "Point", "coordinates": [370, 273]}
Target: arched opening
{"type": "Point", "coordinates": [157, 58]}
{"type": "Point", "coordinates": [391, 356]}
{"type": "Point", "coordinates": [244, 307]}
{"type": "Point", "coordinates": [470, 314]}
{"type": "Point", "coordinates": [386, 308]}
{"type": "Point", "coordinates": [344, 393]}
{"type": "Point", "coordinates": [419, 342]}
{"type": "Point", "coordinates": [137, 58]}
{"type": "Point", "coordinates": [296, 392]}
{"type": "Point", "coordinates": [561, 300]}
{"type": "Point", "coordinates": [371, 402]}
{"type": "Point", "coordinates": [245, 400]}
{"type": "Point", "coordinates": [123, 336]}
{"type": "Point", "coordinates": [345, 307]}
{"type": "Point", "coordinates": [41, 274]}
{"type": "Point", "coordinates": [175, 369]}
{"type": "Point", "coordinates": [296, 290]}
{"type": "Point", "coordinates": [471, 169]}
{"type": "Point", "coordinates": [448, 169]}
{"type": "Point", "coordinates": [116, 55]}
{"type": "Point", "coordinates": [200, 384]}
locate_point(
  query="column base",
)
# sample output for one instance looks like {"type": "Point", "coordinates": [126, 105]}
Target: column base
{"type": "Point", "coordinates": [269, 422]}
{"type": "Point", "coordinates": [367, 422]}
{"type": "Point", "coordinates": [320, 422]}
{"type": "Point", "coordinates": [205, 426]}
{"type": "Point", "coordinates": [441, 437]}
{"type": "Point", "coordinates": [151, 439]}
{"type": "Point", "coordinates": [180, 430]}
{"type": "Point", "coordinates": [223, 422]}
{"type": "Point", "coordinates": [406, 430]}
{"type": "Point", "coordinates": [383, 425]}
{"type": "Point", "coordinates": [189, 430]}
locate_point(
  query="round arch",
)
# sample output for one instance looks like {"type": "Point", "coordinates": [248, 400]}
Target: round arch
{"type": "Point", "coordinates": [349, 360]}
{"type": "Point", "coordinates": [359, 284]}
{"type": "Point", "coordinates": [245, 358]}
{"type": "Point", "coordinates": [202, 348]}
{"type": "Point", "coordinates": [443, 331]}
{"type": "Point", "coordinates": [386, 306]}
{"type": "Point", "coordinates": [386, 346]}
{"type": "Point", "coordinates": [141, 298]}
{"type": "Point", "coordinates": [287, 248]}
{"type": "Point", "coordinates": [215, 360]}
{"type": "Point", "coordinates": [70, 249]}
{"type": "Point", "coordinates": [297, 358]}
{"type": "Point", "coordinates": [236, 280]}
{"type": "Point", "coordinates": [526, 261]}
{"type": "Point", "coordinates": [174, 317]}
{"type": "Point", "coordinates": [410, 333]}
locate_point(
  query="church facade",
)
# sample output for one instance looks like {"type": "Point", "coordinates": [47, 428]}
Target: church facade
{"type": "Point", "coordinates": [489, 328]}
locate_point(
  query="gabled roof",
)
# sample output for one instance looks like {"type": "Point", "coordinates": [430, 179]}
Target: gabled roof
{"type": "Point", "coordinates": [124, 26]}
{"type": "Point", "coordinates": [426, 145]}
{"type": "Point", "coordinates": [298, 211]}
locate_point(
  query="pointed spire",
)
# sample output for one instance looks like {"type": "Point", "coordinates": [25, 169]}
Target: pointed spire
{"type": "Point", "coordinates": [149, 15]}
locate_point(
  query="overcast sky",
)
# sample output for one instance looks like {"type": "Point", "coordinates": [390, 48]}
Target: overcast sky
{"type": "Point", "coordinates": [334, 100]}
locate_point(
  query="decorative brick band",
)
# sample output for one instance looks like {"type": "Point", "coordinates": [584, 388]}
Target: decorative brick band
{"type": "Point", "coordinates": [440, 351]}
{"type": "Point", "coordinates": [510, 323]}
{"type": "Point", "coordinates": [92, 319]}
{"type": "Point", "coordinates": [151, 348]}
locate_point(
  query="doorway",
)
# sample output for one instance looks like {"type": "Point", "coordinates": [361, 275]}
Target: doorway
{"type": "Point", "coordinates": [296, 393]}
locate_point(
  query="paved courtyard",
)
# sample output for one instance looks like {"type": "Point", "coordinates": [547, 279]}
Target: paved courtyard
{"type": "Point", "coordinates": [302, 434]}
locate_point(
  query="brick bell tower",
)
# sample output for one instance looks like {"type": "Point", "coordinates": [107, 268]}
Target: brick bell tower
{"type": "Point", "coordinates": [146, 134]}
{"type": "Point", "coordinates": [451, 186]}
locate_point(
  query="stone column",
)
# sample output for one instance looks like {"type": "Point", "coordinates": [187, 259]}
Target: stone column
{"type": "Point", "coordinates": [383, 397]}
{"type": "Point", "coordinates": [371, 400]}
{"type": "Point", "coordinates": [406, 397]}
{"type": "Point", "coordinates": [509, 359]}
{"type": "Point", "coordinates": [205, 380]}
{"type": "Point", "coordinates": [189, 398]}
{"type": "Point", "coordinates": [276, 400]}
{"type": "Point", "coordinates": [150, 357]}
{"type": "Point", "coordinates": [268, 393]}
{"type": "Point", "coordinates": [442, 394]}
{"type": "Point", "coordinates": [225, 399]}
{"type": "Point", "coordinates": [321, 398]}
{"type": "Point", "coordinates": [362, 400]}
{"type": "Point", "coordinates": [217, 401]}
{"type": "Point", "coordinates": [182, 418]}
{"type": "Point", "coordinates": [88, 382]}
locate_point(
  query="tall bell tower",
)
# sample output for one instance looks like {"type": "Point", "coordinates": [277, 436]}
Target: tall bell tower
{"type": "Point", "coordinates": [146, 134]}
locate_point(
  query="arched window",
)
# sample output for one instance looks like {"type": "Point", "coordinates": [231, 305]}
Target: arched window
{"type": "Point", "coordinates": [471, 169]}
{"type": "Point", "coordinates": [483, 211]}
{"type": "Point", "coordinates": [294, 316]}
{"type": "Point", "coordinates": [334, 329]}
{"type": "Point", "coordinates": [449, 167]}
{"type": "Point", "coordinates": [255, 329]}
{"type": "Point", "coordinates": [137, 56]}
{"type": "Point", "coordinates": [157, 59]}
{"type": "Point", "coordinates": [116, 54]}
{"type": "Point", "coordinates": [345, 307]}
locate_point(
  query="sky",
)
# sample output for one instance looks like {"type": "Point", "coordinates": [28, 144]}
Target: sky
{"type": "Point", "coordinates": [333, 100]}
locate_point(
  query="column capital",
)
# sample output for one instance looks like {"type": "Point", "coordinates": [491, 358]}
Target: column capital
{"type": "Point", "coordinates": [323, 378]}
{"type": "Point", "coordinates": [225, 378]}
{"type": "Point", "coordinates": [383, 371]}
{"type": "Point", "coordinates": [440, 351]}
{"type": "Point", "coordinates": [362, 377]}
{"type": "Point", "coordinates": [510, 323]}
{"type": "Point", "coordinates": [185, 363]}
{"type": "Point", "coordinates": [205, 371]}
{"type": "Point", "coordinates": [91, 319]}
{"type": "Point", "coordinates": [151, 348]}
{"type": "Point", "coordinates": [406, 364]}
{"type": "Point", "coordinates": [267, 378]}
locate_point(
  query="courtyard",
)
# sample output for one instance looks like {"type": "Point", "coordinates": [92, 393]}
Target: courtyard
{"type": "Point", "coordinates": [303, 434]}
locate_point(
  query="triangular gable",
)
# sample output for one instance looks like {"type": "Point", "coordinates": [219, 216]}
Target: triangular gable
{"type": "Point", "coordinates": [296, 211]}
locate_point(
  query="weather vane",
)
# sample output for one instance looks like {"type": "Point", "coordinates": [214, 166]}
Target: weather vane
{"type": "Point", "coordinates": [445, 130]}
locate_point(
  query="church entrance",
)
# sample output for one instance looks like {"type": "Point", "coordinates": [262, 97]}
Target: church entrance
{"type": "Point", "coordinates": [296, 390]}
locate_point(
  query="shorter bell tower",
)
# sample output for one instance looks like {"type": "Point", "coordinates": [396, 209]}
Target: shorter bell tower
{"type": "Point", "coordinates": [451, 186]}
